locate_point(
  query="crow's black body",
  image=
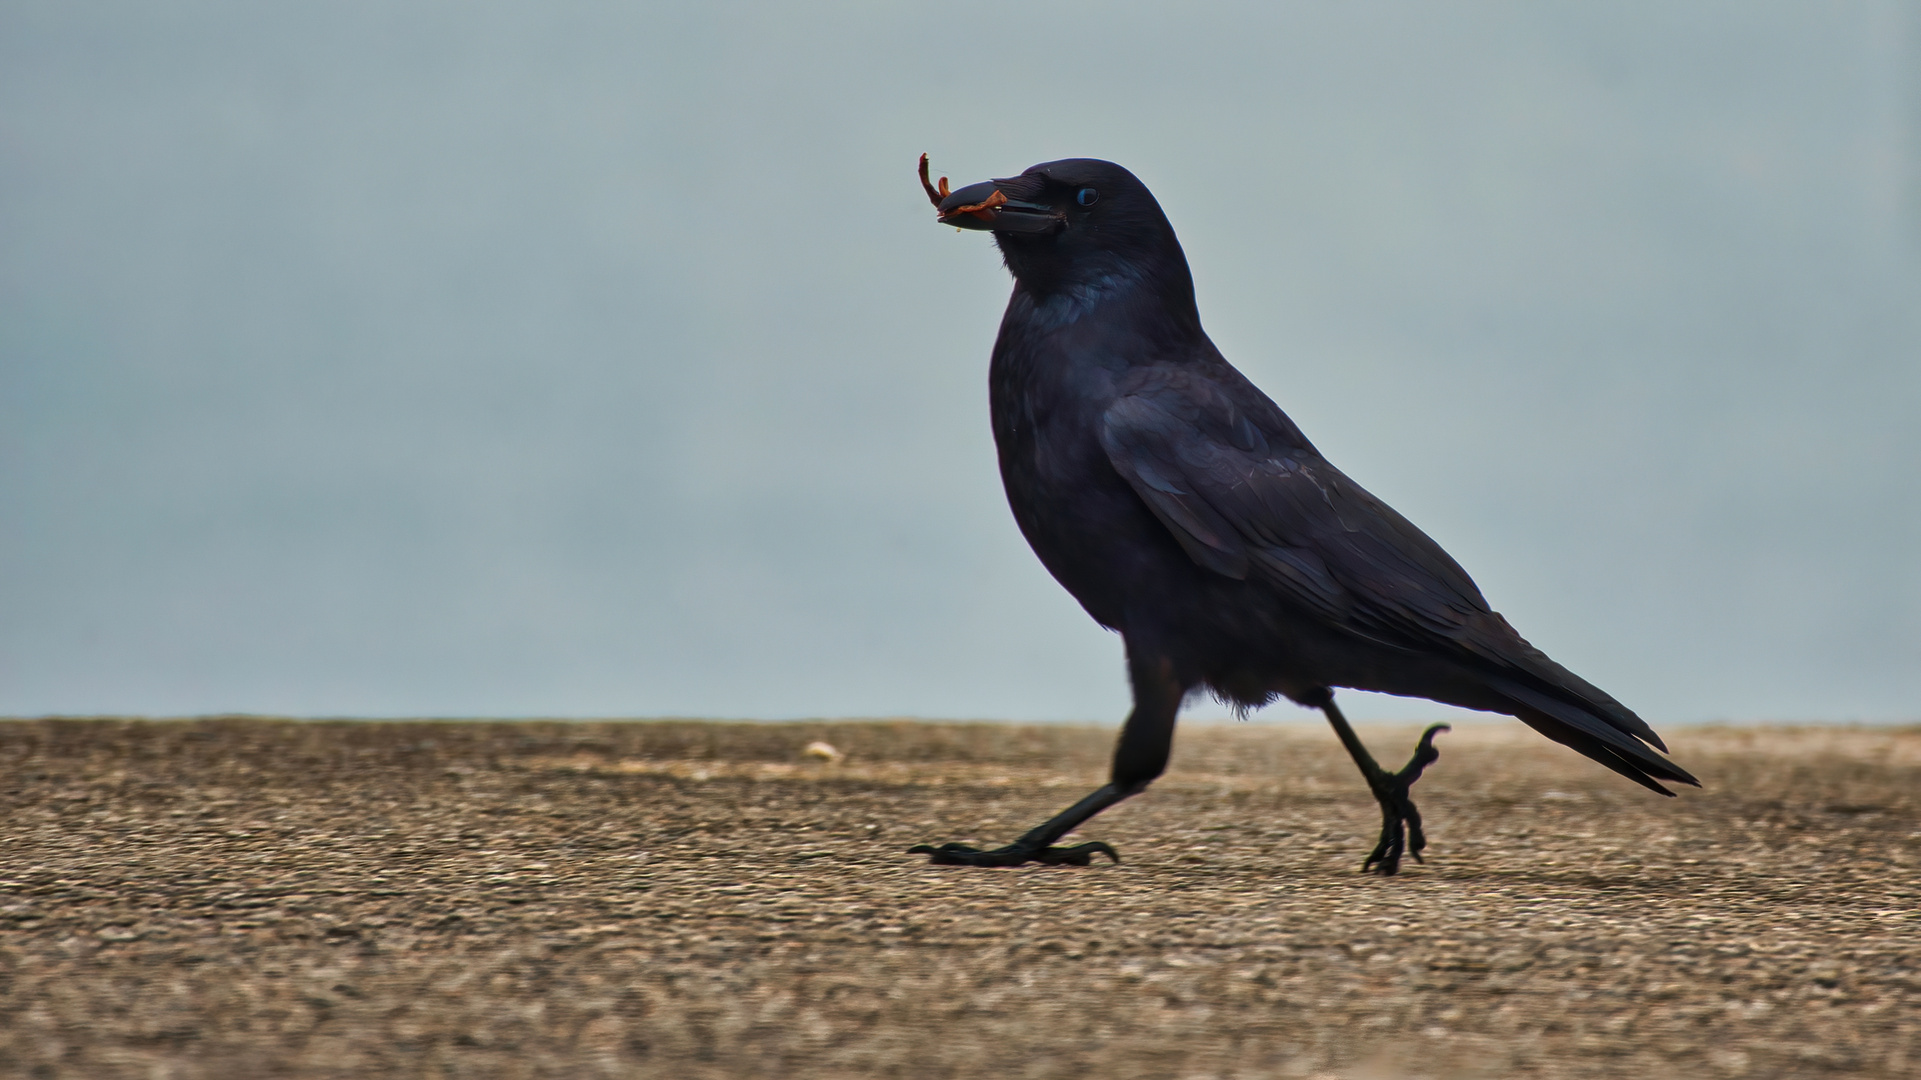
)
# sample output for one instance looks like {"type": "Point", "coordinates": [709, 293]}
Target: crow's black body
{"type": "Point", "coordinates": [1183, 509]}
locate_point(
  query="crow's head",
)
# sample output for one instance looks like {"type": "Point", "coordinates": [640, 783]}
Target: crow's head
{"type": "Point", "coordinates": [1067, 222]}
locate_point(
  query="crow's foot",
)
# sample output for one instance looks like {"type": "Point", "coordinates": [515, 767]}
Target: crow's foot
{"type": "Point", "coordinates": [1400, 821]}
{"type": "Point", "coordinates": [1013, 855]}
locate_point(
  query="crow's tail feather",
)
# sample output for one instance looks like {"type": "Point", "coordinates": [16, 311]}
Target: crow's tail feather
{"type": "Point", "coordinates": [1637, 769]}
{"type": "Point", "coordinates": [1596, 734]}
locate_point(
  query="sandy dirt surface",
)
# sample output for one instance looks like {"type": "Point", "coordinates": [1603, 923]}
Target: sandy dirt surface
{"type": "Point", "coordinates": [242, 898]}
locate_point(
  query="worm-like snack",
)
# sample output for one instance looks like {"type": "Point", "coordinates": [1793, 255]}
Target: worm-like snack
{"type": "Point", "coordinates": [980, 209]}
{"type": "Point", "coordinates": [935, 195]}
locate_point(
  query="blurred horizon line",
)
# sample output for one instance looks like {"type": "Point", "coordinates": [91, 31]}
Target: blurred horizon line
{"type": "Point", "coordinates": [1304, 717]}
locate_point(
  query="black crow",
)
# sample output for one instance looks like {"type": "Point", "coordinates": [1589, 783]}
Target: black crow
{"type": "Point", "coordinates": [1183, 509]}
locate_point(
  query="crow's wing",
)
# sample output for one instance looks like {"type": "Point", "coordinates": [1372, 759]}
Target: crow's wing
{"type": "Point", "coordinates": [1245, 505]}
{"type": "Point", "coordinates": [1242, 506]}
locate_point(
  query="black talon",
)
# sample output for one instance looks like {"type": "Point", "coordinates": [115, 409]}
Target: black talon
{"type": "Point", "coordinates": [1400, 830]}
{"type": "Point", "coordinates": [1398, 811]}
{"type": "Point", "coordinates": [1424, 753]}
{"type": "Point", "coordinates": [1400, 821]}
{"type": "Point", "coordinates": [1078, 855]}
{"type": "Point", "coordinates": [953, 854]}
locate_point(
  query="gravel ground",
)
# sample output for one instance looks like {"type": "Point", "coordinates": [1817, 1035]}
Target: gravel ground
{"type": "Point", "coordinates": [249, 898]}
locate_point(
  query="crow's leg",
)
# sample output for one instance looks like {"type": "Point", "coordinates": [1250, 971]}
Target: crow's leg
{"type": "Point", "coordinates": [1400, 821]}
{"type": "Point", "coordinates": [1139, 757]}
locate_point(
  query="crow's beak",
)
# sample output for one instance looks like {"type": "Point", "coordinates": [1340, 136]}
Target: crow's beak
{"type": "Point", "coordinates": [992, 204]}
{"type": "Point", "coordinates": [1009, 206]}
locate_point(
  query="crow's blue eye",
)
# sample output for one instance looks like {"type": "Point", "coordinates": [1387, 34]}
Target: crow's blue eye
{"type": "Point", "coordinates": [1087, 196]}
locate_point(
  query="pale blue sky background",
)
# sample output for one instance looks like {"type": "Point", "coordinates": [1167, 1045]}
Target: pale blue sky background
{"type": "Point", "coordinates": [604, 359]}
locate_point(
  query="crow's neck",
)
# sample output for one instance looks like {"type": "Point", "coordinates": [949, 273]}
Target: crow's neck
{"type": "Point", "coordinates": [1157, 295]}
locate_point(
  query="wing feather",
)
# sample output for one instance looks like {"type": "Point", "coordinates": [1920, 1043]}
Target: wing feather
{"type": "Point", "coordinates": [1248, 503]}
